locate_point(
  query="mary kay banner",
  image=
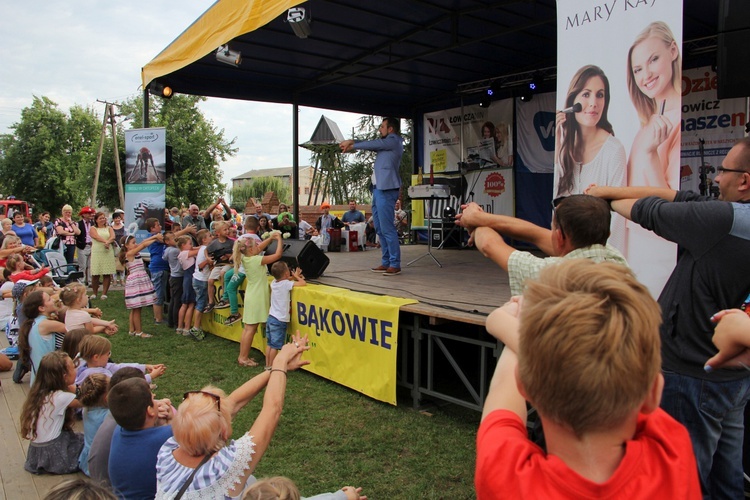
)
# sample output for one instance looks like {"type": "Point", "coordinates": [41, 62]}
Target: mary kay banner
{"type": "Point", "coordinates": [487, 137]}
{"type": "Point", "coordinates": [620, 60]}
{"type": "Point", "coordinates": [145, 177]}
{"type": "Point", "coordinates": [353, 336]}
{"type": "Point", "coordinates": [719, 123]}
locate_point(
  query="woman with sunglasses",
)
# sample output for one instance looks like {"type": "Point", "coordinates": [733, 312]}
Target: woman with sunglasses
{"type": "Point", "coordinates": [201, 460]}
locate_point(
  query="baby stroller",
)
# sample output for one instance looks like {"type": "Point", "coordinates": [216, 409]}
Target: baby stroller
{"type": "Point", "coordinates": [60, 271]}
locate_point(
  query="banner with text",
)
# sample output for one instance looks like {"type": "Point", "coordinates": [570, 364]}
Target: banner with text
{"type": "Point", "coordinates": [718, 123]}
{"type": "Point", "coordinates": [621, 62]}
{"type": "Point", "coordinates": [535, 121]}
{"type": "Point", "coordinates": [353, 336]}
{"type": "Point", "coordinates": [145, 174]}
{"type": "Point", "coordinates": [487, 137]}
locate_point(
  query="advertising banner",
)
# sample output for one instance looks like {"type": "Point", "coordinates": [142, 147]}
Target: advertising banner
{"type": "Point", "coordinates": [535, 121]}
{"type": "Point", "coordinates": [353, 336]}
{"type": "Point", "coordinates": [487, 137]}
{"type": "Point", "coordinates": [718, 123]}
{"type": "Point", "coordinates": [621, 63]}
{"type": "Point", "coordinates": [145, 176]}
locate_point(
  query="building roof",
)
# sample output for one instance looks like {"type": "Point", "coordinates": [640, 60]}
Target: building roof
{"type": "Point", "coordinates": [268, 172]}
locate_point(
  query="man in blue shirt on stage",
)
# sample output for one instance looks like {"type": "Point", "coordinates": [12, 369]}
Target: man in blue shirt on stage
{"type": "Point", "coordinates": [386, 181]}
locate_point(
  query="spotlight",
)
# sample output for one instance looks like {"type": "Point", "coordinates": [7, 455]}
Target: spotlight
{"type": "Point", "coordinates": [161, 90]}
{"type": "Point", "coordinates": [300, 21]}
{"type": "Point", "coordinates": [485, 101]}
{"type": "Point", "coordinates": [230, 57]}
{"type": "Point", "coordinates": [526, 96]}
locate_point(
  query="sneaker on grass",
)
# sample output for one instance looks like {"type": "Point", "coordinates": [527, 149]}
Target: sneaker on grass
{"type": "Point", "coordinates": [197, 333]}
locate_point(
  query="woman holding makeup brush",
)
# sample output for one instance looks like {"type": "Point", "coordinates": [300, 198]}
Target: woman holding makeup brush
{"type": "Point", "coordinates": [655, 86]}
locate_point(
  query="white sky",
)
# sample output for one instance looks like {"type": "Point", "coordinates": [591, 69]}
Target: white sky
{"type": "Point", "coordinates": [78, 52]}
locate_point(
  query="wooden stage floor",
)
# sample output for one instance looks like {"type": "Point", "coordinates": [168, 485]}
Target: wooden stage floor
{"type": "Point", "coordinates": [466, 289]}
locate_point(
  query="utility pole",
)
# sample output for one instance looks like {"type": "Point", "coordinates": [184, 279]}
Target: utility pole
{"type": "Point", "coordinates": [109, 119]}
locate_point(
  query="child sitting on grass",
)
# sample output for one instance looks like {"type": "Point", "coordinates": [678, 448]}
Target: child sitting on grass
{"type": "Point", "coordinates": [93, 397]}
{"type": "Point", "coordinates": [279, 313]}
{"type": "Point", "coordinates": [47, 418]}
{"type": "Point", "coordinates": [73, 296]}
{"type": "Point", "coordinates": [94, 357]}
{"type": "Point", "coordinates": [585, 352]}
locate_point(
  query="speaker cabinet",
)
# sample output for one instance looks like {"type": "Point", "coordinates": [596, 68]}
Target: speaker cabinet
{"type": "Point", "coordinates": [445, 231]}
{"type": "Point", "coordinates": [731, 55]}
{"type": "Point", "coordinates": [303, 254]}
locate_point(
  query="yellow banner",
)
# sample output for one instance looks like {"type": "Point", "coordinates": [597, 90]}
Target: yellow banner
{"type": "Point", "coordinates": [353, 336]}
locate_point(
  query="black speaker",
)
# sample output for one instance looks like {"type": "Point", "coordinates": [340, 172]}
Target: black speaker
{"type": "Point", "coordinates": [731, 55]}
{"type": "Point", "coordinates": [303, 254]}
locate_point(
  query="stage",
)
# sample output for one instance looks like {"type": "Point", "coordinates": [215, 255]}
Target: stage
{"type": "Point", "coordinates": [444, 352]}
{"type": "Point", "coordinates": [466, 289]}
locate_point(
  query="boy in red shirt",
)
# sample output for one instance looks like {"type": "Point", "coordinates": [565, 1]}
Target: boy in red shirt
{"type": "Point", "coordinates": [584, 350]}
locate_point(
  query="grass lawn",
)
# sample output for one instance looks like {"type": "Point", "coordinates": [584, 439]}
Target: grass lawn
{"type": "Point", "coordinates": [329, 436]}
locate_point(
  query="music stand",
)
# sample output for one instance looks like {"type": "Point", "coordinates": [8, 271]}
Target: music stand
{"type": "Point", "coordinates": [428, 194]}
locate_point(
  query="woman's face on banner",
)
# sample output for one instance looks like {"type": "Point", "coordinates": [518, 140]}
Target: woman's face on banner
{"type": "Point", "coordinates": [486, 133]}
{"type": "Point", "coordinates": [651, 63]}
{"type": "Point", "coordinates": [592, 98]}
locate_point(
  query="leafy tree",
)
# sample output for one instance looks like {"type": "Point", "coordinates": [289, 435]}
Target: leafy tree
{"type": "Point", "coordinates": [257, 189]}
{"type": "Point", "coordinates": [197, 148]}
{"type": "Point", "coordinates": [49, 157]}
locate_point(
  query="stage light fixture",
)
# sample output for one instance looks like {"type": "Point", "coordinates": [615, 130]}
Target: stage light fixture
{"type": "Point", "coordinates": [299, 19]}
{"type": "Point", "coordinates": [230, 57]}
{"type": "Point", "coordinates": [485, 101]}
{"type": "Point", "coordinates": [526, 95]}
{"type": "Point", "coordinates": [161, 90]}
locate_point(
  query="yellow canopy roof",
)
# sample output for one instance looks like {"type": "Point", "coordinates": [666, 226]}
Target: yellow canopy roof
{"type": "Point", "coordinates": [222, 22]}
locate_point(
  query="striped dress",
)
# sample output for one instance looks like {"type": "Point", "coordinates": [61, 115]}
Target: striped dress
{"type": "Point", "coordinates": [139, 291]}
{"type": "Point", "coordinates": [213, 480]}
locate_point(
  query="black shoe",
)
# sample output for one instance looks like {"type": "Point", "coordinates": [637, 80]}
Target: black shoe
{"type": "Point", "coordinates": [208, 309]}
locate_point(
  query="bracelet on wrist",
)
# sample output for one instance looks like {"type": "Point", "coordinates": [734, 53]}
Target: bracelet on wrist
{"type": "Point", "coordinates": [271, 370]}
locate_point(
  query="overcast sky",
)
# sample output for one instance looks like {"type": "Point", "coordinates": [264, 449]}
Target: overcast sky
{"type": "Point", "coordinates": [78, 52]}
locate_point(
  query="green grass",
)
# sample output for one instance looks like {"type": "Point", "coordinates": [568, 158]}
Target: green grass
{"type": "Point", "coordinates": [329, 436]}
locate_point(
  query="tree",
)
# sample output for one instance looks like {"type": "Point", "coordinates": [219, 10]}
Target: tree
{"type": "Point", "coordinates": [257, 189]}
{"type": "Point", "coordinates": [197, 148]}
{"type": "Point", "coordinates": [49, 157]}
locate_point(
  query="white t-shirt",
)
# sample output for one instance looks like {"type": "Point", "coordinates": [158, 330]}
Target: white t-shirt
{"type": "Point", "coordinates": [303, 226]}
{"type": "Point", "coordinates": [76, 318]}
{"type": "Point", "coordinates": [6, 305]}
{"type": "Point", "coordinates": [52, 416]}
{"type": "Point", "coordinates": [201, 274]}
{"type": "Point", "coordinates": [280, 296]}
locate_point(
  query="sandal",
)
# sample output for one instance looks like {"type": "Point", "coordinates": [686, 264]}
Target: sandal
{"type": "Point", "coordinates": [250, 363]}
{"type": "Point", "coordinates": [143, 335]}
{"type": "Point", "coordinates": [132, 333]}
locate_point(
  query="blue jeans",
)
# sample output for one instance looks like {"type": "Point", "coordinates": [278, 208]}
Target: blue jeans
{"type": "Point", "coordinates": [713, 413]}
{"type": "Point", "coordinates": [275, 333]}
{"type": "Point", "coordinates": [383, 213]}
{"type": "Point", "coordinates": [160, 279]}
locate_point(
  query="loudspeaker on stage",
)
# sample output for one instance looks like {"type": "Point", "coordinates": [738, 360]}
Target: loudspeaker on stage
{"type": "Point", "coordinates": [303, 254]}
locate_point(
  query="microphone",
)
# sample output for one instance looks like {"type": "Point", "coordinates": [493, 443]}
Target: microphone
{"type": "Point", "coordinates": [575, 108]}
